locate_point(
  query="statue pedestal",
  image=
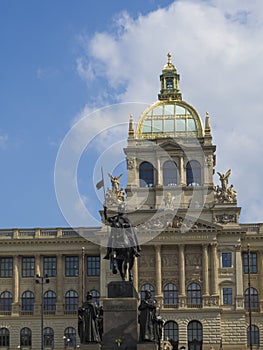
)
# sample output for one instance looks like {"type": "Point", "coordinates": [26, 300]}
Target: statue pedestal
{"type": "Point", "coordinates": [147, 346]}
{"type": "Point", "coordinates": [120, 322]}
{"type": "Point", "coordinates": [121, 289]}
{"type": "Point", "coordinates": [90, 346]}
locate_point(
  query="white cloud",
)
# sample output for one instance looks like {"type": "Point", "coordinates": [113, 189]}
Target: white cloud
{"type": "Point", "coordinates": [217, 49]}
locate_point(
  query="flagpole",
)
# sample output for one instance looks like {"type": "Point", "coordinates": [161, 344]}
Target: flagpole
{"type": "Point", "coordinates": [102, 176]}
{"type": "Point", "coordinates": [83, 274]}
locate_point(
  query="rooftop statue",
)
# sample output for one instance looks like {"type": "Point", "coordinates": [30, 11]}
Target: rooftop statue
{"type": "Point", "coordinates": [225, 194]}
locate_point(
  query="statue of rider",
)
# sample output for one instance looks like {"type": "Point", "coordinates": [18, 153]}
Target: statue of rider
{"type": "Point", "coordinates": [120, 221]}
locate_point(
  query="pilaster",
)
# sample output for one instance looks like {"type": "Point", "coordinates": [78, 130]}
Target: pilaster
{"type": "Point", "coordinates": [205, 270]}
{"type": "Point", "coordinates": [214, 274]}
{"type": "Point", "coordinates": [60, 275]}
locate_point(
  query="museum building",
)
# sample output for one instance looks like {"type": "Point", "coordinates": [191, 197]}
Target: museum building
{"type": "Point", "coordinates": [203, 267]}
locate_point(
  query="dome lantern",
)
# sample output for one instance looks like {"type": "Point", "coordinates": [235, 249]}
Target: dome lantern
{"type": "Point", "coordinates": [169, 82]}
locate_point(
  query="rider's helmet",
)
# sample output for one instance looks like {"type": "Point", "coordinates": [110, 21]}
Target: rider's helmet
{"type": "Point", "coordinates": [121, 208]}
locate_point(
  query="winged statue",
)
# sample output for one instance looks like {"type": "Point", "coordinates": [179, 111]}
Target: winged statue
{"type": "Point", "coordinates": [224, 179]}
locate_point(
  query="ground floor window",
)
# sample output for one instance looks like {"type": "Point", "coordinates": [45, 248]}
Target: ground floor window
{"type": "Point", "coordinates": [4, 337]}
{"type": "Point", "coordinates": [171, 333]}
{"type": "Point", "coordinates": [195, 335]}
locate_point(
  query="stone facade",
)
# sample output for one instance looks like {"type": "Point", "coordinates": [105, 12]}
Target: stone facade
{"type": "Point", "coordinates": [194, 249]}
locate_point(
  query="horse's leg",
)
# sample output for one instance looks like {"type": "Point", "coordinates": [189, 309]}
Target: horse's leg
{"type": "Point", "coordinates": [131, 263]}
{"type": "Point", "coordinates": [114, 263]}
{"type": "Point", "coordinates": [125, 268]}
{"type": "Point", "coordinates": [120, 268]}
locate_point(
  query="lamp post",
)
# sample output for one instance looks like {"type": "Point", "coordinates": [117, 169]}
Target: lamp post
{"type": "Point", "coordinates": [42, 280]}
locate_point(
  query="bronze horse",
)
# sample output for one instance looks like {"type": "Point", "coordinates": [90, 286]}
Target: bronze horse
{"type": "Point", "coordinates": [122, 255]}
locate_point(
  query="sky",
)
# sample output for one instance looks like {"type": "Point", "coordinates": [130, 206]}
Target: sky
{"type": "Point", "coordinates": [72, 72]}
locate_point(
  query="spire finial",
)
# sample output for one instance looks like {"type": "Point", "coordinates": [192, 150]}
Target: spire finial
{"type": "Point", "coordinates": [131, 127]}
{"type": "Point", "coordinates": [208, 135]}
{"type": "Point", "coordinates": [169, 55]}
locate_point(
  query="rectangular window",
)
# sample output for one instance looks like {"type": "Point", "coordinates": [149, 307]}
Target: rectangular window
{"type": "Point", "coordinates": [180, 124]}
{"type": "Point", "coordinates": [6, 267]}
{"type": "Point", "coordinates": [71, 266]}
{"type": "Point", "coordinates": [157, 125]}
{"type": "Point", "coordinates": [28, 267]}
{"type": "Point", "coordinates": [226, 259]}
{"type": "Point", "coordinates": [93, 265]}
{"type": "Point", "coordinates": [168, 125]}
{"type": "Point", "coordinates": [253, 263]}
{"type": "Point", "coordinates": [50, 266]}
{"type": "Point", "coordinates": [227, 296]}
{"type": "Point", "coordinates": [147, 126]}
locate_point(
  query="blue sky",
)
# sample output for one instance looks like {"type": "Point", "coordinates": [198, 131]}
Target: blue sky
{"type": "Point", "coordinates": [60, 60]}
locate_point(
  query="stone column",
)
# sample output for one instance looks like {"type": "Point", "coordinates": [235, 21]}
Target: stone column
{"type": "Point", "coordinates": [214, 274]}
{"type": "Point", "coordinates": [60, 277]}
{"type": "Point", "coordinates": [82, 276]}
{"type": "Point", "coordinates": [182, 295]}
{"type": "Point", "coordinates": [37, 264]}
{"type": "Point", "coordinates": [15, 304]}
{"type": "Point", "coordinates": [239, 278]}
{"type": "Point", "coordinates": [182, 172]}
{"type": "Point", "coordinates": [260, 260]}
{"type": "Point", "coordinates": [181, 270]}
{"type": "Point", "coordinates": [37, 307]}
{"type": "Point", "coordinates": [205, 270]}
{"type": "Point", "coordinates": [159, 174]}
{"type": "Point", "coordinates": [158, 268]}
{"type": "Point", "coordinates": [135, 275]}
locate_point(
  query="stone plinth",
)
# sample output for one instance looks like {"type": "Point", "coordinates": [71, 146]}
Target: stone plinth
{"type": "Point", "coordinates": [147, 346]}
{"type": "Point", "coordinates": [90, 346]}
{"type": "Point", "coordinates": [121, 289]}
{"type": "Point", "coordinates": [120, 321]}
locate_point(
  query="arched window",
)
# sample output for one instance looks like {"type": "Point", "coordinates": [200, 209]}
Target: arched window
{"type": "Point", "coordinates": [254, 335]}
{"type": "Point", "coordinates": [48, 337]}
{"type": "Point", "coordinates": [71, 300]}
{"type": "Point", "coordinates": [193, 173]}
{"type": "Point", "coordinates": [4, 337]}
{"type": "Point", "coordinates": [194, 295]}
{"type": "Point", "coordinates": [95, 296]}
{"type": "Point", "coordinates": [195, 335]}
{"type": "Point", "coordinates": [6, 300]}
{"type": "Point", "coordinates": [169, 173]}
{"type": "Point", "coordinates": [25, 337]}
{"type": "Point", "coordinates": [70, 337]}
{"type": "Point", "coordinates": [169, 83]}
{"type": "Point", "coordinates": [146, 174]}
{"type": "Point", "coordinates": [253, 298]}
{"type": "Point", "coordinates": [146, 286]}
{"type": "Point", "coordinates": [28, 301]}
{"type": "Point", "coordinates": [170, 294]}
{"type": "Point", "coordinates": [50, 301]}
{"type": "Point", "coordinates": [171, 333]}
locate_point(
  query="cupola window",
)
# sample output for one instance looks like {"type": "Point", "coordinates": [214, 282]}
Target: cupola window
{"type": "Point", "coordinates": [169, 173]}
{"type": "Point", "coordinates": [169, 83]}
{"type": "Point", "coordinates": [193, 173]}
{"type": "Point", "coordinates": [146, 174]}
